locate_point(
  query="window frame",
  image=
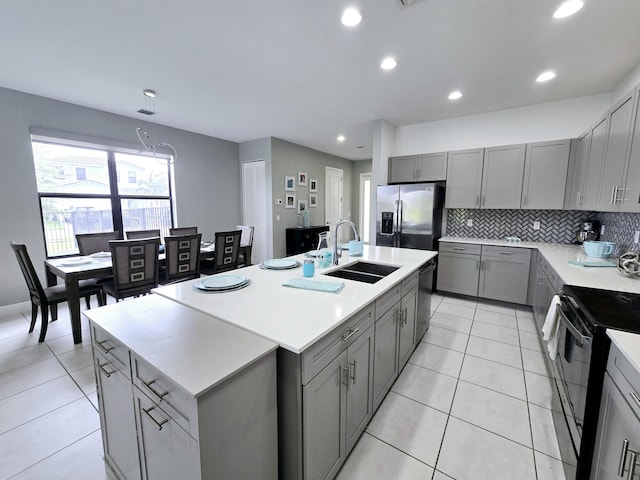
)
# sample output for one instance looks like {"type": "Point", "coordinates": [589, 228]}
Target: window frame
{"type": "Point", "coordinates": [113, 196]}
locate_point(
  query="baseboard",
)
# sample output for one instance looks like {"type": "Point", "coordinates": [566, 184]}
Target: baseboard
{"type": "Point", "coordinates": [23, 307]}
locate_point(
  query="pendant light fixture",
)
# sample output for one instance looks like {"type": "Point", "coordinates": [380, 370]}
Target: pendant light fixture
{"type": "Point", "coordinates": [143, 136]}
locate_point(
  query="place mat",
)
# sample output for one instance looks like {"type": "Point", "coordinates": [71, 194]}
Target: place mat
{"type": "Point", "coordinates": [317, 285]}
{"type": "Point", "coordinates": [224, 290]}
{"type": "Point", "coordinates": [592, 264]}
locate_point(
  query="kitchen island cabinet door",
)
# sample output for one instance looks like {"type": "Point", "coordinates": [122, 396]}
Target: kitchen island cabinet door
{"type": "Point", "coordinates": [617, 423]}
{"type": "Point", "coordinates": [324, 419]}
{"type": "Point", "coordinates": [502, 176]}
{"type": "Point", "coordinates": [545, 175]}
{"type": "Point", "coordinates": [407, 327]}
{"type": "Point", "coordinates": [458, 273]}
{"type": "Point", "coordinates": [385, 368]}
{"type": "Point", "coordinates": [359, 388]}
{"type": "Point", "coordinates": [117, 419]}
{"type": "Point", "coordinates": [167, 451]}
{"type": "Point", "coordinates": [403, 169]}
{"type": "Point", "coordinates": [464, 178]}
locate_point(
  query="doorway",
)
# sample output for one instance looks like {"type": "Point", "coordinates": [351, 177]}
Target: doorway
{"type": "Point", "coordinates": [333, 196]}
{"type": "Point", "coordinates": [365, 206]}
{"type": "Point", "coordinates": [254, 211]}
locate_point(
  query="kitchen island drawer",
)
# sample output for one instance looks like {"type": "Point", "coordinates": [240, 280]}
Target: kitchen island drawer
{"type": "Point", "coordinates": [112, 350]}
{"type": "Point", "coordinates": [453, 247]}
{"type": "Point", "coordinates": [409, 283]}
{"type": "Point", "coordinates": [321, 353]}
{"type": "Point", "coordinates": [168, 395]}
{"type": "Point", "coordinates": [512, 252]}
{"type": "Point", "coordinates": [625, 376]}
{"type": "Point", "coordinates": [387, 300]}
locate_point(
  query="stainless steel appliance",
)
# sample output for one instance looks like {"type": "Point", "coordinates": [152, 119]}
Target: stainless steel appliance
{"type": "Point", "coordinates": [409, 216]}
{"type": "Point", "coordinates": [425, 288]}
{"type": "Point", "coordinates": [583, 348]}
{"type": "Point", "coordinates": [590, 231]}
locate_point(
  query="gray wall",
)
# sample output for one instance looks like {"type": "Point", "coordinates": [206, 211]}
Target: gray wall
{"type": "Point", "coordinates": [207, 174]}
{"type": "Point", "coordinates": [287, 159]}
{"type": "Point", "coordinates": [361, 166]}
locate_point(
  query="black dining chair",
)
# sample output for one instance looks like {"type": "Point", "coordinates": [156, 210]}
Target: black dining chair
{"type": "Point", "coordinates": [47, 299]}
{"type": "Point", "coordinates": [182, 258]}
{"type": "Point", "coordinates": [226, 251]}
{"type": "Point", "coordinates": [135, 267]}
{"type": "Point", "coordinates": [89, 243]}
{"type": "Point", "coordinates": [138, 234]}
{"type": "Point", "coordinates": [246, 243]}
{"type": "Point", "coordinates": [183, 231]}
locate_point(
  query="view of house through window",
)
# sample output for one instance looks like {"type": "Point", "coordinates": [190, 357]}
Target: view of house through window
{"type": "Point", "coordinates": [87, 190]}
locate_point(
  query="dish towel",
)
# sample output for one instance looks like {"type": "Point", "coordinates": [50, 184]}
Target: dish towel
{"type": "Point", "coordinates": [308, 284]}
{"type": "Point", "coordinates": [550, 328]}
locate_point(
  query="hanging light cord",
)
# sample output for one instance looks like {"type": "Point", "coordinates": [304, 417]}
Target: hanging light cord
{"type": "Point", "coordinates": [145, 140]}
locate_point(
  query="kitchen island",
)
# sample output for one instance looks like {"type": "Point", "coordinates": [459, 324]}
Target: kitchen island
{"type": "Point", "coordinates": [328, 345]}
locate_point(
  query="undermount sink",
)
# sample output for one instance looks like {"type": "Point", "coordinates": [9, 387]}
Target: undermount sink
{"type": "Point", "coordinates": [363, 272]}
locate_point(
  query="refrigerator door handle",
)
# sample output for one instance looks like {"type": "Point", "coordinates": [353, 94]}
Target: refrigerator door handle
{"type": "Point", "coordinates": [400, 217]}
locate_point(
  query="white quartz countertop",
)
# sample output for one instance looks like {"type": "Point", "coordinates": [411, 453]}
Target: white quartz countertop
{"type": "Point", "coordinates": [629, 344]}
{"type": "Point", "coordinates": [194, 350]}
{"type": "Point", "coordinates": [558, 255]}
{"type": "Point", "coordinates": [295, 318]}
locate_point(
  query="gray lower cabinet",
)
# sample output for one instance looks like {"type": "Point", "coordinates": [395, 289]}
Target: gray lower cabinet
{"type": "Point", "coordinates": [386, 348]}
{"type": "Point", "coordinates": [617, 447]}
{"type": "Point", "coordinates": [337, 406]}
{"type": "Point", "coordinates": [407, 326]}
{"type": "Point", "coordinates": [459, 268]}
{"type": "Point", "coordinates": [504, 274]}
{"type": "Point", "coordinates": [548, 283]}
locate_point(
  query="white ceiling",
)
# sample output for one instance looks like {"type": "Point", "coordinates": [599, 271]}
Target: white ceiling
{"type": "Point", "coordinates": [241, 70]}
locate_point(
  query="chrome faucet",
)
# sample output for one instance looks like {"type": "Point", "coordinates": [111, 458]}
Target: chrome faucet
{"type": "Point", "coordinates": [335, 238]}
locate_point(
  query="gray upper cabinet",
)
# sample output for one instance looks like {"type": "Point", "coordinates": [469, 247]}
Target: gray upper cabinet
{"type": "Point", "coordinates": [502, 175]}
{"type": "Point", "coordinates": [579, 169]}
{"type": "Point", "coordinates": [591, 183]}
{"type": "Point", "coordinates": [545, 175]}
{"type": "Point", "coordinates": [631, 201]}
{"type": "Point", "coordinates": [431, 167]}
{"type": "Point", "coordinates": [464, 178]}
{"type": "Point", "coordinates": [616, 157]}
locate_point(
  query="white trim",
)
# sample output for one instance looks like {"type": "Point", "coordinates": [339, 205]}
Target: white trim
{"type": "Point", "coordinates": [15, 308]}
{"type": "Point", "coordinates": [363, 178]}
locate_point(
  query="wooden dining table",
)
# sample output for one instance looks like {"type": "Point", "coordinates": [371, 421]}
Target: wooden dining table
{"type": "Point", "coordinates": [74, 269]}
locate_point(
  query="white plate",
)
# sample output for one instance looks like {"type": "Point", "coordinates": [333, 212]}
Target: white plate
{"type": "Point", "coordinates": [312, 253]}
{"type": "Point", "coordinates": [280, 263]}
{"type": "Point", "coordinates": [100, 255]}
{"type": "Point", "coordinates": [221, 282]}
{"type": "Point", "coordinates": [197, 288]}
{"type": "Point", "coordinates": [72, 262]}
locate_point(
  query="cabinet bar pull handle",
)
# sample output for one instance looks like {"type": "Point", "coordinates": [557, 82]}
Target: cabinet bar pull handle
{"type": "Point", "coordinates": [506, 253]}
{"type": "Point", "coordinates": [459, 248]}
{"type": "Point", "coordinates": [632, 465]}
{"type": "Point", "coordinates": [623, 457]}
{"type": "Point", "coordinates": [103, 348]}
{"type": "Point", "coordinates": [345, 376]}
{"type": "Point", "coordinates": [159, 395]}
{"type": "Point", "coordinates": [350, 334]}
{"type": "Point", "coordinates": [352, 376]}
{"type": "Point", "coordinates": [158, 424]}
{"type": "Point", "coordinates": [477, 201]}
{"type": "Point", "coordinates": [613, 195]}
{"type": "Point", "coordinates": [101, 367]}
{"type": "Point", "coordinates": [635, 397]}
{"type": "Point", "coordinates": [404, 321]}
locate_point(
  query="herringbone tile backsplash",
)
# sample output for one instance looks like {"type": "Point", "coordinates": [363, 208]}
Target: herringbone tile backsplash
{"type": "Point", "coordinates": [558, 226]}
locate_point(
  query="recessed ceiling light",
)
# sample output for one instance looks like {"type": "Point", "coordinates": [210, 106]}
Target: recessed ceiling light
{"type": "Point", "coordinates": [455, 95]}
{"type": "Point", "coordinates": [545, 76]}
{"type": "Point", "coordinates": [149, 93]}
{"type": "Point", "coordinates": [568, 8]}
{"type": "Point", "coordinates": [388, 63]}
{"type": "Point", "coordinates": [351, 17]}
{"type": "Point", "coordinates": [340, 138]}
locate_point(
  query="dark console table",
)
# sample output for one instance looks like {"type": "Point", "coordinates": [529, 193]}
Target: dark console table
{"type": "Point", "coordinates": [303, 239]}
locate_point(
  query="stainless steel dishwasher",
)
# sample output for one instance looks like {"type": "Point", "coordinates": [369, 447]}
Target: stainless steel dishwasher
{"type": "Point", "coordinates": [425, 288]}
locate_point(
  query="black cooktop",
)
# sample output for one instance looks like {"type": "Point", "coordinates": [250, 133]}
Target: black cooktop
{"type": "Point", "coordinates": [608, 309]}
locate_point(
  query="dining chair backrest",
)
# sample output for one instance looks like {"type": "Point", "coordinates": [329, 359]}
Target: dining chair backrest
{"type": "Point", "coordinates": [138, 234]}
{"type": "Point", "coordinates": [135, 266]}
{"type": "Point", "coordinates": [182, 256]}
{"type": "Point", "coordinates": [28, 272]}
{"type": "Point", "coordinates": [89, 243]}
{"type": "Point", "coordinates": [226, 251]}
{"type": "Point", "coordinates": [183, 231]}
{"type": "Point", "coordinates": [246, 239]}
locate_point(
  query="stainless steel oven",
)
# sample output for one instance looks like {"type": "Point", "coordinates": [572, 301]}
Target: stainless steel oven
{"type": "Point", "coordinates": [578, 370]}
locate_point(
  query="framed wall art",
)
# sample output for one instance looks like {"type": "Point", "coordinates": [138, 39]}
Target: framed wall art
{"type": "Point", "coordinates": [290, 200]}
{"type": "Point", "coordinates": [313, 200]}
{"type": "Point", "coordinates": [302, 206]}
{"type": "Point", "coordinates": [313, 185]}
{"type": "Point", "coordinates": [303, 178]}
{"type": "Point", "coordinates": [289, 183]}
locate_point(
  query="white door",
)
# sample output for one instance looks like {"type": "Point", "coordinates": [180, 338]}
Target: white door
{"type": "Point", "coordinates": [332, 196]}
{"type": "Point", "coordinates": [254, 207]}
{"type": "Point", "coordinates": [365, 206]}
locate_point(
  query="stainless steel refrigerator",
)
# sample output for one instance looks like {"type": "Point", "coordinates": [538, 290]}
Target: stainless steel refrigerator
{"type": "Point", "coordinates": [410, 216]}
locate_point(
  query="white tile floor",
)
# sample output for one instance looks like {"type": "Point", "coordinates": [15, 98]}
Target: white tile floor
{"type": "Point", "coordinates": [473, 403]}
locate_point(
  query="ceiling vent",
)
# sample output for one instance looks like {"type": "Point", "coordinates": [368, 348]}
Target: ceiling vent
{"type": "Point", "coordinates": [146, 112]}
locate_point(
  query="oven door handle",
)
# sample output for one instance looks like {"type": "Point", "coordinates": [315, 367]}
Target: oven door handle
{"type": "Point", "coordinates": [581, 339]}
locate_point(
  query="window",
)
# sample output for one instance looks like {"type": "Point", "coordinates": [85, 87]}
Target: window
{"type": "Point", "coordinates": [77, 194]}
